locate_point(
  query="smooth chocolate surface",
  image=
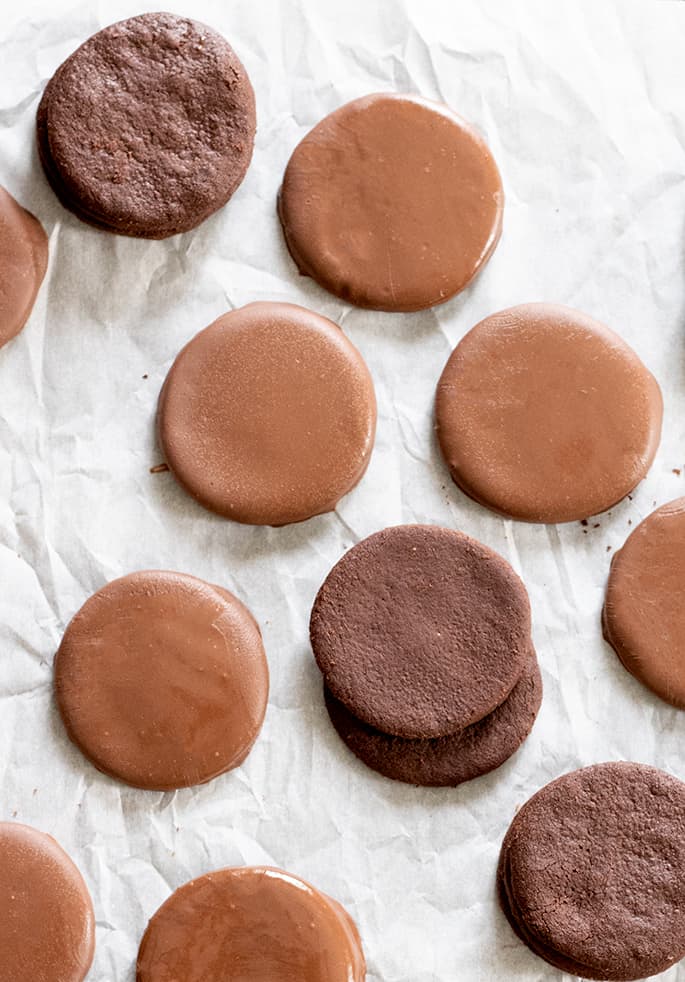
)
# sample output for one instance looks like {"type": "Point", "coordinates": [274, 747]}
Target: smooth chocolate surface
{"type": "Point", "coordinates": [591, 873]}
{"type": "Point", "coordinates": [450, 760]}
{"type": "Point", "coordinates": [253, 924]}
{"type": "Point", "coordinates": [23, 261]}
{"type": "Point", "coordinates": [644, 613]}
{"type": "Point", "coordinates": [545, 415]}
{"type": "Point", "coordinates": [162, 681]}
{"type": "Point", "coordinates": [421, 631]}
{"type": "Point", "coordinates": [392, 202]}
{"type": "Point", "coordinates": [148, 128]}
{"type": "Point", "coordinates": [268, 416]}
{"type": "Point", "coordinates": [47, 924]}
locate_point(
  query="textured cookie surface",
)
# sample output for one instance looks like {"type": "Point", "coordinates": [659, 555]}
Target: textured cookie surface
{"type": "Point", "coordinates": [392, 202]}
{"type": "Point", "coordinates": [545, 415]}
{"type": "Point", "coordinates": [148, 127]}
{"type": "Point", "coordinates": [644, 613]}
{"type": "Point", "coordinates": [450, 760]}
{"type": "Point", "coordinates": [23, 261]}
{"type": "Point", "coordinates": [592, 871]}
{"type": "Point", "coordinates": [420, 631]}
{"type": "Point", "coordinates": [162, 681]}
{"type": "Point", "coordinates": [268, 416]}
{"type": "Point", "coordinates": [47, 924]}
{"type": "Point", "coordinates": [254, 924]}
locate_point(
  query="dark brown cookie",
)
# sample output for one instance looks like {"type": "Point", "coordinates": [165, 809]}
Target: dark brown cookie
{"type": "Point", "coordinates": [268, 416]}
{"type": "Point", "coordinates": [255, 924]}
{"type": "Point", "coordinates": [420, 631]}
{"type": "Point", "coordinates": [47, 924]}
{"type": "Point", "coordinates": [592, 872]}
{"type": "Point", "coordinates": [148, 128]}
{"type": "Point", "coordinates": [23, 261]}
{"type": "Point", "coordinates": [546, 415]}
{"type": "Point", "coordinates": [450, 760]}
{"type": "Point", "coordinates": [162, 681]}
{"type": "Point", "coordinates": [644, 613]}
{"type": "Point", "coordinates": [392, 202]}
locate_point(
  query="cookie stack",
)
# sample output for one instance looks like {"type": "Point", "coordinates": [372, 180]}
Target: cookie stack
{"type": "Point", "coordinates": [148, 128]}
{"type": "Point", "coordinates": [423, 636]}
{"type": "Point", "coordinates": [591, 872]}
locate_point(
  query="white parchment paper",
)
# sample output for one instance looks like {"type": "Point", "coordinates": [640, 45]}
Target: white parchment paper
{"type": "Point", "coordinates": [583, 104]}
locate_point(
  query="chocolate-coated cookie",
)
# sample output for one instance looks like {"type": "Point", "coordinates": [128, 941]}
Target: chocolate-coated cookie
{"type": "Point", "coordinates": [148, 128]}
{"type": "Point", "coordinates": [450, 760]}
{"type": "Point", "coordinates": [592, 872]}
{"type": "Point", "coordinates": [392, 202]}
{"type": "Point", "coordinates": [644, 613]}
{"type": "Point", "coordinates": [23, 261]}
{"type": "Point", "coordinates": [420, 631]}
{"type": "Point", "coordinates": [545, 415]}
{"type": "Point", "coordinates": [162, 681]}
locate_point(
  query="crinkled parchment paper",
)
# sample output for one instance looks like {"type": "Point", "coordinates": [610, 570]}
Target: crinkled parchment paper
{"type": "Point", "coordinates": [583, 106]}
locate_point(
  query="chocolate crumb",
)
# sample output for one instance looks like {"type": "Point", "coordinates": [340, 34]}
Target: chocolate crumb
{"type": "Point", "coordinates": [596, 525]}
{"type": "Point", "coordinates": [608, 548]}
{"type": "Point", "coordinates": [146, 375]}
{"type": "Point", "coordinates": [583, 521]}
{"type": "Point", "coordinates": [677, 471]}
{"type": "Point", "coordinates": [159, 468]}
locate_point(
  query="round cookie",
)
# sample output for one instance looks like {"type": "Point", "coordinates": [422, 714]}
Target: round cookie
{"type": "Point", "coordinates": [591, 873]}
{"type": "Point", "coordinates": [23, 262]}
{"type": "Point", "coordinates": [421, 631]}
{"type": "Point", "coordinates": [392, 202]}
{"type": "Point", "coordinates": [148, 128]}
{"type": "Point", "coordinates": [545, 415]}
{"type": "Point", "coordinates": [162, 681]}
{"type": "Point", "coordinates": [253, 923]}
{"type": "Point", "coordinates": [268, 416]}
{"type": "Point", "coordinates": [644, 617]}
{"type": "Point", "coordinates": [450, 760]}
{"type": "Point", "coordinates": [47, 924]}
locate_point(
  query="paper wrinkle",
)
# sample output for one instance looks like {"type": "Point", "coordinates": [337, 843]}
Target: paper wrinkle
{"type": "Point", "coordinates": [581, 105]}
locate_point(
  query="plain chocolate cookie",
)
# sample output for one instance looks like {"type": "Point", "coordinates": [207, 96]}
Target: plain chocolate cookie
{"type": "Point", "coordinates": [269, 415]}
{"type": "Point", "coordinates": [392, 202]}
{"type": "Point", "coordinates": [644, 613]}
{"type": "Point", "coordinates": [592, 872]}
{"type": "Point", "coordinates": [47, 923]}
{"type": "Point", "coordinates": [255, 924]}
{"type": "Point", "coordinates": [450, 760]}
{"type": "Point", "coordinates": [545, 415]}
{"type": "Point", "coordinates": [23, 261]}
{"type": "Point", "coordinates": [162, 681]}
{"type": "Point", "coordinates": [148, 128]}
{"type": "Point", "coordinates": [420, 631]}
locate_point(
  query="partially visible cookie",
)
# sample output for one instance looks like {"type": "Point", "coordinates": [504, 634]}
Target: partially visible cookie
{"type": "Point", "coordinates": [644, 612]}
{"type": "Point", "coordinates": [420, 631]}
{"type": "Point", "coordinates": [23, 261]}
{"type": "Point", "coordinates": [148, 128]}
{"type": "Point", "coordinates": [592, 872]}
{"type": "Point", "coordinates": [450, 760]}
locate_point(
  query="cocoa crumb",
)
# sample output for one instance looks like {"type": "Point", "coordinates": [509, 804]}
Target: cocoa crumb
{"type": "Point", "coordinates": [159, 468]}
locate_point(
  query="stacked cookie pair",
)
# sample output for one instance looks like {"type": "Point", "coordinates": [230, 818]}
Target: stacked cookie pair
{"type": "Point", "coordinates": [423, 636]}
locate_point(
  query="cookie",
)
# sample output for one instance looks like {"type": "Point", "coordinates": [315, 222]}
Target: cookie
{"type": "Point", "coordinates": [450, 760]}
{"type": "Point", "coordinates": [592, 872]}
{"type": "Point", "coordinates": [162, 681]}
{"type": "Point", "coordinates": [421, 631]}
{"type": "Point", "coordinates": [644, 617]}
{"type": "Point", "coordinates": [47, 924]}
{"type": "Point", "coordinates": [148, 128]}
{"type": "Point", "coordinates": [392, 202]}
{"type": "Point", "coordinates": [545, 415]}
{"type": "Point", "coordinates": [268, 416]}
{"type": "Point", "coordinates": [23, 262]}
{"type": "Point", "coordinates": [254, 923]}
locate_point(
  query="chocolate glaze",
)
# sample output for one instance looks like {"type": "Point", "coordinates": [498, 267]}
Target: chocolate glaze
{"type": "Point", "coordinates": [47, 924]}
{"type": "Point", "coordinates": [162, 681]}
{"type": "Point", "coordinates": [253, 924]}
{"type": "Point", "coordinates": [268, 416]}
{"type": "Point", "coordinates": [644, 615]}
{"type": "Point", "coordinates": [23, 261]}
{"type": "Point", "coordinates": [545, 415]}
{"type": "Point", "coordinates": [392, 202]}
